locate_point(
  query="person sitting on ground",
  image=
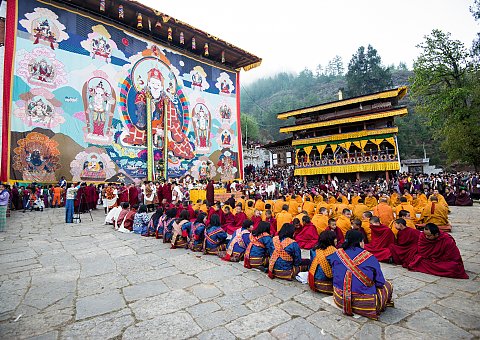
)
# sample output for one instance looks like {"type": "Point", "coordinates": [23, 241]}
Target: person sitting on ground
{"type": "Point", "coordinates": [359, 208]}
{"type": "Point", "coordinates": [283, 217]}
{"type": "Point", "coordinates": [405, 215]}
{"type": "Point", "coordinates": [320, 272]}
{"type": "Point", "coordinates": [140, 221]}
{"type": "Point", "coordinates": [153, 223]}
{"type": "Point", "coordinates": [366, 216]}
{"type": "Point", "coordinates": [215, 240]}
{"type": "Point", "coordinates": [256, 218]}
{"type": "Point", "coordinates": [406, 243]}
{"type": "Point", "coordinates": [320, 220]}
{"type": "Point", "coordinates": [238, 220]}
{"type": "Point", "coordinates": [382, 239]}
{"type": "Point", "coordinates": [343, 221]}
{"type": "Point", "coordinates": [250, 210]}
{"type": "Point", "coordinates": [194, 232]}
{"type": "Point", "coordinates": [358, 283]}
{"type": "Point", "coordinates": [120, 221]}
{"type": "Point", "coordinates": [357, 225]}
{"type": "Point", "coordinates": [260, 247]}
{"type": "Point", "coordinates": [332, 226]}
{"type": "Point", "coordinates": [437, 254]}
{"type": "Point", "coordinates": [463, 199]}
{"type": "Point", "coordinates": [167, 226]}
{"type": "Point", "coordinates": [178, 241]}
{"type": "Point", "coordinates": [405, 205]}
{"type": "Point", "coordinates": [239, 242]}
{"type": "Point", "coordinates": [306, 236]}
{"type": "Point", "coordinates": [436, 213]}
{"type": "Point", "coordinates": [383, 211]}
{"type": "Point", "coordinates": [286, 260]}
{"type": "Point", "coordinates": [272, 221]}
{"type": "Point", "coordinates": [112, 215]}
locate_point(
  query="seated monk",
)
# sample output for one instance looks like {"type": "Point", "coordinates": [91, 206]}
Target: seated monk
{"type": "Point", "coordinates": [382, 238]}
{"type": "Point", "coordinates": [332, 226]}
{"type": "Point", "coordinates": [237, 220]}
{"type": "Point", "coordinates": [366, 292]}
{"type": "Point", "coordinates": [320, 272]}
{"type": "Point", "coordinates": [320, 220]}
{"type": "Point", "coordinates": [256, 218]}
{"type": "Point", "coordinates": [366, 216]}
{"type": "Point", "coordinates": [450, 197]}
{"type": "Point", "coordinates": [293, 206]}
{"type": "Point", "coordinates": [437, 254]}
{"type": "Point", "coordinates": [404, 205]}
{"type": "Point", "coordinates": [229, 219]}
{"type": "Point", "coordinates": [343, 221]}
{"type": "Point", "coordinates": [463, 199]}
{"type": "Point", "coordinates": [286, 260]}
{"type": "Point", "coordinates": [215, 240]}
{"type": "Point", "coordinates": [272, 221]}
{"type": "Point", "coordinates": [239, 242]}
{"type": "Point", "coordinates": [283, 217]}
{"type": "Point", "coordinates": [306, 235]}
{"type": "Point", "coordinates": [359, 208]}
{"type": "Point", "coordinates": [383, 211]}
{"type": "Point", "coordinates": [439, 197]}
{"type": "Point", "coordinates": [436, 213]}
{"type": "Point", "coordinates": [309, 207]}
{"type": "Point", "coordinates": [370, 200]}
{"type": "Point", "coordinates": [249, 210]}
{"type": "Point", "coordinates": [357, 225]}
{"type": "Point", "coordinates": [405, 246]}
{"type": "Point", "coordinates": [405, 215]}
{"type": "Point", "coordinates": [260, 247]}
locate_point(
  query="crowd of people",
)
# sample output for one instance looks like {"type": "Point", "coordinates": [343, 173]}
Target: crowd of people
{"type": "Point", "coordinates": [348, 227]}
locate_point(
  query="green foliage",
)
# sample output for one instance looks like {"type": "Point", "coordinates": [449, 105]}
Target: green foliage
{"type": "Point", "coordinates": [445, 89]}
{"type": "Point", "coordinates": [366, 73]}
{"type": "Point", "coordinates": [250, 129]}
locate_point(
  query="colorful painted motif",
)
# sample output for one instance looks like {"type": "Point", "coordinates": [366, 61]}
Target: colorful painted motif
{"type": "Point", "coordinates": [39, 108]}
{"type": "Point", "coordinates": [93, 164]}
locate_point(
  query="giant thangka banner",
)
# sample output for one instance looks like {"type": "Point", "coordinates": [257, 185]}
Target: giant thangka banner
{"type": "Point", "coordinates": [79, 103]}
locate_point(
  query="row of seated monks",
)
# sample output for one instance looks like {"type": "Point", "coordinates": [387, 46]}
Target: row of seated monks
{"type": "Point", "coordinates": [345, 250]}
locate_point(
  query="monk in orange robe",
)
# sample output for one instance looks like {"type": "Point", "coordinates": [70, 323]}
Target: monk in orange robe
{"type": "Point", "coordinates": [407, 195]}
{"type": "Point", "coordinates": [342, 198]}
{"type": "Point", "coordinates": [283, 217]}
{"type": "Point", "coordinates": [260, 205]}
{"type": "Point", "coordinates": [436, 213]}
{"type": "Point", "coordinates": [404, 205]}
{"type": "Point", "coordinates": [370, 200]}
{"type": "Point", "coordinates": [394, 199]}
{"type": "Point", "coordinates": [320, 220]}
{"type": "Point", "coordinates": [309, 207]}
{"type": "Point", "coordinates": [318, 199]}
{"type": "Point", "coordinates": [421, 201]}
{"type": "Point", "coordinates": [367, 215]}
{"type": "Point", "coordinates": [356, 197]}
{"type": "Point", "coordinates": [440, 198]}
{"type": "Point", "coordinates": [277, 207]}
{"type": "Point", "coordinates": [321, 205]}
{"type": "Point", "coordinates": [384, 212]}
{"type": "Point", "coordinates": [343, 221]}
{"type": "Point", "coordinates": [293, 206]}
{"type": "Point", "coordinates": [359, 209]}
{"type": "Point", "coordinates": [299, 199]}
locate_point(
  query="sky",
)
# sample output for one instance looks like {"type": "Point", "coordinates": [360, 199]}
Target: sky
{"type": "Point", "coordinates": [293, 35]}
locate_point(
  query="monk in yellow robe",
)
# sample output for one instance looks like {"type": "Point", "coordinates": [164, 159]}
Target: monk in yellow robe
{"type": "Point", "coordinates": [242, 200]}
{"type": "Point", "coordinates": [277, 207]}
{"type": "Point", "coordinates": [440, 198]}
{"type": "Point", "coordinates": [321, 205]}
{"type": "Point", "coordinates": [370, 200]}
{"type": "Point", "coordinates": [359, 208]}
{"type": "Point", "coordinates": [404, 205]}
{"type": "Point", "coordinates": [299, 199]}
{"type": "Point", "coordinates": [320, 220]}
{"type": "Point", "coordinates": [249, 210]}
{"type": "Point", "coordinates": [309, 207]}
{"type": "Point", "coordinates": [356, 197]}
{"type": "Point", "coordinates": [300, 216]}
{"type": "Point", "coordinates": [343, 221]}
{"type": "Point", "coordinates": [437, 213]}
{"type": "Point", "coordinates": [384, 212]}
{"type": "Point", "coordinates": [307, 195]}
{"type": "Point", "coordinates": [337, 209]}
{"type": "Point", "coordinates": [293, 206]}
{"type": "Point", "coordinates": [342, 198]}
{"type": "Point", "coordinates": [283, 217]}
{"type": "Point", "coordinates": [318, 199]}
{"type": "Point", "coordinates": [331, 200]}
{"type": "Point", "coordinates": [394, 199]}
{"type": "Point", "coordinates": [366, 224]}
{"type": "Point", "coordinates": [407, 195]}
{"type": "Point", "coordinates": [407, 217]}
{"type": "Point", "coordinates": [260, 205]}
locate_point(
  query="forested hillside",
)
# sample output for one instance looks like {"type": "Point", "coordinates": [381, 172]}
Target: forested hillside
{"type": "Point", "coordinates": [265, 98]}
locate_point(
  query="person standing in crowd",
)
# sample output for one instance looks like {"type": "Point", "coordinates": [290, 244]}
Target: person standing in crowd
{"type": "Point", "coordinates": [4, 199]}
{"type": "Point", "coordinates": [70, 202]}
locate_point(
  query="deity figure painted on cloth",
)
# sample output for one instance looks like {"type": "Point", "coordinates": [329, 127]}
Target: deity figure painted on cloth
{"type": "Point", "coordinates": [36, 157]}
{"type": "Point", "coordinates": [202, 123]}
{"type": "Point", "coordinates": [38, 107]}
{"type": "Point", "coordinates": [198, 78]}
{"type": "Point", "coordinates": [224, 84]}
{"type": "Point", "coordinates": [154, 83]}
{"type": "Point", "coordinates": [92, 164]}
{"type": "Point", "coordinates": [93, 169]}
{"type": "Point", "coordinates": [44, 27]}
{"type": "Point", "coordinates": [203, 169]}
{"type": "Point", "coordinates": [227, 166]}
{"type": "Point", "coordinates": [225, 113]}
{"type": "Point", "coordinates": [99, 101]}
{"type": "Point", "coordinates": [40, 67]}
{"type": "Point", "coordinates": [99, 44]}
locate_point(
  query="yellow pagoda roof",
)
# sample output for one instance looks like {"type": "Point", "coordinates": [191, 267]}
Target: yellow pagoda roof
{"type": "Point", "coordinates": [342, 136]}
{"type": "Point", "coordinates": [394, 93]}
{"type": "Point", "coordinates": [391, 113]}
{"type": "Point", "coordinates": [342, 169]}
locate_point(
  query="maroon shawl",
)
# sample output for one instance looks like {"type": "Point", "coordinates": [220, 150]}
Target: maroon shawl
{"type": "Point", "coordinates": [306, 236]}
{"type": "Point", "coordinates": [382, 239]}
{"type": "Point", "coordinates": [405, 246]}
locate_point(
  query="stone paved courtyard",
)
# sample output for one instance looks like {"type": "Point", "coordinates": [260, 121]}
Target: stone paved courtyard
{"type": "Point", "coordinates": [86, 281]}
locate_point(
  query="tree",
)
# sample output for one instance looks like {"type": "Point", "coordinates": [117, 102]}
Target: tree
{"type": "Point", "coordinates": [335, 67]}
{"type": "Point", "coordinates": [366, 73]}
{"type": "Point", "coordinates": [445, 89]}
{"type": "Point", "coordinates": [250, 130]}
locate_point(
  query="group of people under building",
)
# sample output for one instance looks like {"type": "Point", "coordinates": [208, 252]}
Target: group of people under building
{"type": "Point", "coordinates": [346, 238]}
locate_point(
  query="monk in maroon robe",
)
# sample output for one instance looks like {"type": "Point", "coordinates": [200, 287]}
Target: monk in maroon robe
{"type": "Point", "coordinates": [382, 239]}
{"type": "Point", "coordinates": [332, 225]}
{"type": "Point", "coordinates": [90, 195]}
{"type": "Point", "coordinates": [123, 194]}
{"type": "Point", "coordinates": [306, 236]}
{"type": "Point", "coordinates": [167, 192]}
{"type": "Point", "coordinates": [210, 192]}
{"type": "Point", "coordinates": [132, 195]}
{"type": "Point", "coordinates": [405, 246]}
{"type": "Point", "coordinates": [438, 254]}
{"type": "Point", "coordinates": [229, 219]}
{"type": "Point", "coordinates": [237, 221]}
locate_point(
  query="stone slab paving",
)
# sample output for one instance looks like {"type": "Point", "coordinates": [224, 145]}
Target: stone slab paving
{"type": "Point", "coordinates": [86, 281]}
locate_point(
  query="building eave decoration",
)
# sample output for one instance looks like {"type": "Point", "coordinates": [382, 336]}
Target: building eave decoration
{"type": "Point", "coordinates": [395, 93]}
{"type": "Point", "coordinates": [341, 169]}
{"type": "Point", "coordinates": [342, 136]}
{"type": "Point", "coordinates": [392, 113]}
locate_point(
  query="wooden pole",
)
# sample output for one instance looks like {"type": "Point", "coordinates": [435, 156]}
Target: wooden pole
{"type": "Point", "coordinates": [149, 137]}
{"type": "Point", "coordinates": [165, 139]}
